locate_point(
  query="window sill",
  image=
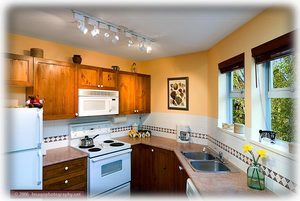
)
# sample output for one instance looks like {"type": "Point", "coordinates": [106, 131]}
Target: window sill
{"type": "Point", "coordinates": [230, 132]}
{"type": "Point", "coordinates": [280, 148]}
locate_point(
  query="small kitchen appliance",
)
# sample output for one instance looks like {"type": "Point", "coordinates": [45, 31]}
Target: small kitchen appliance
{"type": "Point", "coordinates": [183, 133]}
{"type": "Point", "coordinates": [97, 102]}
{"type": "Point", "coordinates": [109, 160]}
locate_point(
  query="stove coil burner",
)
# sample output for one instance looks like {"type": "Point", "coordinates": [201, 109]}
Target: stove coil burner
{"type": "Point", "coordinates": [94, 149]}
{"type": "Point", "coordinates": [108, 141]}
{"type": "Point", "coordinates": [116, 144]}
{"type": "Point", "coordinates": [86, 147]}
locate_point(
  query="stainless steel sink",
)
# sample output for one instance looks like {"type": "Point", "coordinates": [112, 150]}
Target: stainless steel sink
{"type": "Point", "coordinates": [198, 156]}
{"type": "Point", "coordinates": [209, 166]}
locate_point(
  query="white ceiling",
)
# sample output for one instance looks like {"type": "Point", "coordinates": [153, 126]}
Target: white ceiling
{"type": "Point", "coordinates": [176, 30]}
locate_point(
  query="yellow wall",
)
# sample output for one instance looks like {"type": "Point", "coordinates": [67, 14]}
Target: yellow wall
{"type": "Point", "coordinates": [193, 66]}
{"type": "Point", "coordinates": [266, 26]}
{"type": "Point", "coordinates": [19, 44]}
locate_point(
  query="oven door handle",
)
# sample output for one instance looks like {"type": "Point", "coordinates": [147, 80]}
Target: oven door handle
{"type": "Point", "coordinates": [118, 153]}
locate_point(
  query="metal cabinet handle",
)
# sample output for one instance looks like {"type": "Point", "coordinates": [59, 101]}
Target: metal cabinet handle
{"type": "Point", "coordinates": [152, 150]}
{"type": "Point", "coordinates": [66, 168]}
{"type": "Point", "coordinates": [101, 85]}
{"type": "Point", "coordinates": [180, 168]}
{"type": "Point", "coordinates": [76, 114]}
{"type": "Point", "coordinates": [98, 85]}
{"type": "Point", "coordinates": [66, 181]}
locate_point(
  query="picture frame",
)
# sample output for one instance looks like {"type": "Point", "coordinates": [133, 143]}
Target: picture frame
{"type": "Point", "coordinates": [178, 93]}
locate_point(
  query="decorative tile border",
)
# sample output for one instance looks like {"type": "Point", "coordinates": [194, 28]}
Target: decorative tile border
{"type": "Point", "coordinates": [173, 131]}
{"type": "Point", "coordinates": [55, 138]}
{"type": "Point", "coordinates": [159, 129]}
{"type": "Point", "coordinates": [290, 185]}
{"type": "Point", "coordinates": [120, 129]}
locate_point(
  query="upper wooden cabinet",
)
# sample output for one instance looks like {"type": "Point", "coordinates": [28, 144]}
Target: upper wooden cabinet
{"type": "Point", "coordinates": [90, 77]}
{"type": "Point", "coordinates": [134, 93]}
{"type": "Point", "coordinates": [56, 83]}
{"type": "Point", "coordinates": [19, 70]}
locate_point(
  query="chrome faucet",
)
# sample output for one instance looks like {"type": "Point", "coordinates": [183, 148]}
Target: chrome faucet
{"type": "Point", "coordinates": [220, 157]}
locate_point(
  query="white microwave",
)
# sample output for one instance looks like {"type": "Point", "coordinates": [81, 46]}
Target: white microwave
{"type": "Point", "coordinates": [97, 102]}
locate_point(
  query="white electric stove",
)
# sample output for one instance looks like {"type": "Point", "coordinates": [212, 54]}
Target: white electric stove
{"type": "Point", "coordinates": [109, 160]}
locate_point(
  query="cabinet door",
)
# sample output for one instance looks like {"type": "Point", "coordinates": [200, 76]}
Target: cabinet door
{"type": "Point", "coordinates": [108, 79]}
{"type": "Point", "coordinates": [180, 176]}
{"type": "Point", "coordinates": [56, 83]}
{"type": "Point", "coordinates": [19, 70]}
{"type": "Point", "coordinates": [163, 170]}
{"type": "Point", "coordinates": [126, 86]}
{"type": "Point", "coordinates": [88, 77]}
{"type": "Point", "coordinates": [146, 179]}
{"type": "Point", "coordinates": [135, 169]}
{"type": "Point", "coordinates": [142, 93]}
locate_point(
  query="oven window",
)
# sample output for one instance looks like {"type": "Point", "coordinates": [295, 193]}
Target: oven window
{"type": "Point", "coordinates": [111, 168]}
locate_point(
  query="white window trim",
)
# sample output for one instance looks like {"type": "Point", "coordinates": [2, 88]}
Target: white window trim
{"type": "Point", "coordinates": [232, 93]}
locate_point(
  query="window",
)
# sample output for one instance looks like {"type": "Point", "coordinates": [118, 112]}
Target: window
{"type": "Point", "coordinates": [280, 97]}
{"type": "Point", "coordinates": [236, 98]}
{"type": "Point", "coordinates": [233, 68]}
{"type": "Point", "coordinates": [278, 61]}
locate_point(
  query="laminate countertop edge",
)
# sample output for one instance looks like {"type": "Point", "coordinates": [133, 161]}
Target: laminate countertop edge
{"type": "Point", "coordinates": [62, 154]}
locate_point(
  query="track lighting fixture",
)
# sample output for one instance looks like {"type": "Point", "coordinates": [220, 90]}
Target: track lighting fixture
{"type": "Point", "coordinates": [142, 42]}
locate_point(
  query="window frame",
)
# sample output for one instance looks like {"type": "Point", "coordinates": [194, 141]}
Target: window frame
{"type": "Point", "coordinates": [233, 93]}
{"type": "Point", "coordinates": [271, 92]}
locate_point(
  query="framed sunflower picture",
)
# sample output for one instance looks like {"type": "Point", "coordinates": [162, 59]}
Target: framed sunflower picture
{"type": "Point", "coordinates": [178, 93]}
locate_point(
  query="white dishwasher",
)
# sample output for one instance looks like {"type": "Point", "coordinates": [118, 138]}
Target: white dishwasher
{"type": "Point", "coordinates": [191, 190]}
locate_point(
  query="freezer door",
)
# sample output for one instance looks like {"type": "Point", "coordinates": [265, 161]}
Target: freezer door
{"type": "Point", "coordinates": [25, 170]}
{"type": "Point", "coordinates": [24, 128]}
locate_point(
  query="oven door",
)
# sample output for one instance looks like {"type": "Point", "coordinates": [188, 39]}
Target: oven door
{"type": "Point", "coordinates": [108, 171]}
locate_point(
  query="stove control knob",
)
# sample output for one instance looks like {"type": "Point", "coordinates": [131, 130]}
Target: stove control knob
{"type": "Point", "coordinates": [66, 168]}
{"type": "Point", "coordinates": [66, 181]}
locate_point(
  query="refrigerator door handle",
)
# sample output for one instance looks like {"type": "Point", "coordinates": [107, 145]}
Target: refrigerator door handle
{"type": "Point", "coordinates": [40, 125]}
{"type": "Point", "coordinates": [39, 178]}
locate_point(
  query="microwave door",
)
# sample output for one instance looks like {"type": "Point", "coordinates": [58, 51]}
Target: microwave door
{"type": "Point", "coordinates": [92, 106]}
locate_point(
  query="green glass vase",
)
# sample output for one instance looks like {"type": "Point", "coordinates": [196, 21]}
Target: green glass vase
{"type": "Point", "coordinates": [255, 177]}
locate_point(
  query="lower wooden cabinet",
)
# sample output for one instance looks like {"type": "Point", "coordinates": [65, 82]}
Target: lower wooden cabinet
{"type": "Point", "coordinates": [155, 170]}
{"type": "Point", "coordinates": [69, 175]}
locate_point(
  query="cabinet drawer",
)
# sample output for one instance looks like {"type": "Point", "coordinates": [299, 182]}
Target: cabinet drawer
{"type": "Point", "coordinates": [75, 181]}
{"type": "Point", "coordinates": [64, 168]}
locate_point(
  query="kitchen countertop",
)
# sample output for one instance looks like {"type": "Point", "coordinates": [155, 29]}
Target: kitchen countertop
{"type": "Point", "coordinates": [208, 184]}
{"type": "Point", "coordinates": [62, 154]}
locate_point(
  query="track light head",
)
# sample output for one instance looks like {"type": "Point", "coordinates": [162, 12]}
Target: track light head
{"type": "Point", "coordinates": [95, 31]}
{"type": "Point", "coordinates": [130, 43]}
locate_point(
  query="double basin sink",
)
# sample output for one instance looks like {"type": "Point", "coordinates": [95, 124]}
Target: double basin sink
{"type": "Point", "coordinates": [204, 161]}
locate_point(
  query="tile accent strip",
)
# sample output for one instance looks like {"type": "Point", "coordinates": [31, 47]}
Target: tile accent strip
{"type": "Point", "coordinates": [290, 185]}
{"type": "Point", "coordinates": [120, 129]}
{"type": "Point", "coordinates": [172, 131]}
{"type": "Point", "coordinates": [55, 138]}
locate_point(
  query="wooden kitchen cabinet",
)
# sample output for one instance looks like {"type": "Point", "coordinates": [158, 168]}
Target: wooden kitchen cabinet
{"type": "Point", "coordinates": [69, 175]}
{"type": "Point", "coordinates": [91, 77]}
{"type": "Point", "coordinates": [134, 93]}
{"type": "Point", "coordinates": [56, 83]}
{"type": "Point", "coordinates": [180, 176]}
{"type": "Point", "coordinates": [19, 70]}
{"type": "Point", "coordinates": [152, 170]}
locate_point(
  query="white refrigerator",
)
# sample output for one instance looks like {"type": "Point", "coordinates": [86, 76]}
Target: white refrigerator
{"type": "Point", "coordinates": [24, 135]}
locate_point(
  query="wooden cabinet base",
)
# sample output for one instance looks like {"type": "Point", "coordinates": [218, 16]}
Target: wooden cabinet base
{"type": "Point", "coordinates": [155, 170]}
